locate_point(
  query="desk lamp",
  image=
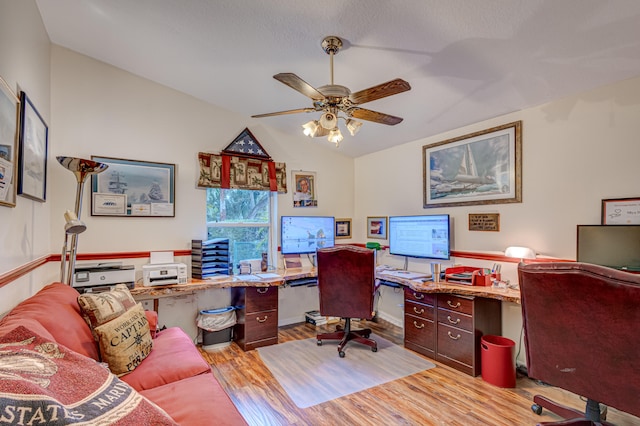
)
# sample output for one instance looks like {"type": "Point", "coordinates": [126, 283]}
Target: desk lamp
{"type": "Point", "coordinates": [520, 253]}
{"type": "Point", "coordinates": [81, 168]}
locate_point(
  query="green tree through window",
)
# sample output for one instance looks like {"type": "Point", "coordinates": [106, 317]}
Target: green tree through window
{"type": "Point", "coordinates": [242, 216]}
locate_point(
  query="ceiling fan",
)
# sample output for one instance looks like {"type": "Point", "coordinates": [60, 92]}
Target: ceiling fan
{"type": "Point", "coordinates": [333, 99]}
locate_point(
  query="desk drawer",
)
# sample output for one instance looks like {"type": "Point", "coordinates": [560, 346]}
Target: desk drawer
{"type": "Point", "coordinates": [455, 319]}
{"type": "Point", "coordinates": [455, 303]}
{"type": "Point", "coordinates": [456, 345]}
{"type": "Point", "coordinates": [416, 296]}
{"type": "Point", "coordinates": [420, 332]}
{"type": "Point", "coordinates": [261, 325]}
{"type": "Point", "coordinates": [419, 309]}
{"type": "Point", "coordinates": [261, 299]}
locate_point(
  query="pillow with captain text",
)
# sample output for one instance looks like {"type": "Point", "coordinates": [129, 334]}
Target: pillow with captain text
{"type": "Point", "coordinates": [42, 382]}
{"type": "Point", "coordinates": [125, 341]}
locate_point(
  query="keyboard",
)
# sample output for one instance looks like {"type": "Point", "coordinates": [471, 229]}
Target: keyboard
{"type": "Point", "coordinates": [408, 275]}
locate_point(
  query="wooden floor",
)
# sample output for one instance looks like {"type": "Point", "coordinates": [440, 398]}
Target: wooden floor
{"type": "Point", "coordinates": [439, 396]}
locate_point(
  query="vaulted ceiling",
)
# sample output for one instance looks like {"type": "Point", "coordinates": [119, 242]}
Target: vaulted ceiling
{"type": "Point", "coordinates": [466, 61]}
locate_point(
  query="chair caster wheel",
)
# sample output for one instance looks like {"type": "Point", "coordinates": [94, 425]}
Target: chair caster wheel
{"type": "Point", "coordinates": [319, 342]}
{"type": "Point", "coordinates": [341, 353]}
{"type": "Point", "coordinates": [536, 409]}
{"type": "Point", "coordinates": [374, 349]}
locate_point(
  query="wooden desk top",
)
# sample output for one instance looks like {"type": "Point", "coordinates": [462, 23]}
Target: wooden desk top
{"type": "Point", "coordinates": [154, 292]}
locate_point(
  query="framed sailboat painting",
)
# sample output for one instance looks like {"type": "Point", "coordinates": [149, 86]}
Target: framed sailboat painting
{"type": "Point", "coordinates": [133, 188]}
{"type": "Point", "coordinates": [479, 168]}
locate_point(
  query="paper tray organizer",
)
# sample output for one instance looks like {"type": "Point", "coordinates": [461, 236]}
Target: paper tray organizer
{"type": "Point", "coordinates": [468, 275]}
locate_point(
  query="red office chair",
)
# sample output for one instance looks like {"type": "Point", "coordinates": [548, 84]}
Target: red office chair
{"type": "Point", "coordinates": [580, 328]}
{"type": "Point", "coordinates": [347, 284]}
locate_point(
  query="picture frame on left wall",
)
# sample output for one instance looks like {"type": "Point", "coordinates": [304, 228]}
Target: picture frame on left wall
{"type": "Point", "coordinates": [9, 120]}
{"type": "Point", "coordinates": [33, 146]}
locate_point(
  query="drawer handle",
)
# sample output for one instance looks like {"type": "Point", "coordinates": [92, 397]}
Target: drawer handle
{"type": "Point", "coordinates": [418, 296]}
{"type": "Point", "coordinates": [457, 321]}
{"type": "Point", "coordinates": [451, 336]}
{"type": "Point", "coordinates": [457, 305]}
{"type": "Point", "coordinates": [419, 312]}
{"type": "Point", "coordinates": [415, 324]}
{"type": "Point", "coordinates": [262, 290]}
{"type": "Point", "coordinates": [262, 320]}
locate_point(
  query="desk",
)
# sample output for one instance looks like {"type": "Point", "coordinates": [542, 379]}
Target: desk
{"type": "Point", "coordinates": [442, 321]}
{"type": "Point", "coordinates": [155, 292]}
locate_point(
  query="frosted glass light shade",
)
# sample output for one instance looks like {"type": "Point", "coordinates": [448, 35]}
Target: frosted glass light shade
{"type": "Point", "coordinates": [520, 252]}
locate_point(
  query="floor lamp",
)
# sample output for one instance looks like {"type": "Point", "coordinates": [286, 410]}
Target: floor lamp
{"type": "Point", "coordinates": [81, 168]}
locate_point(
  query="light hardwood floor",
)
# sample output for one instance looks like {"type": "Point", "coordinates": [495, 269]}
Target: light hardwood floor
{"type": "Point", "coordinates": [439, 396]}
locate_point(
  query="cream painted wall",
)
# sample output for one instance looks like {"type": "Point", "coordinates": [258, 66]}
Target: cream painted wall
{"type": "Point", "coordinates": [24, 229]}
{"type": "Point", "coordinates": [576, 152]}
{"type": "Point", "coordinates": [105, 111]}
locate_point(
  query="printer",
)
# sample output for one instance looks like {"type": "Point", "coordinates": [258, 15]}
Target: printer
{"type": "Point", "coordinates": [95, 277]}
{"type": "Point", "coordinates": [164, 273]}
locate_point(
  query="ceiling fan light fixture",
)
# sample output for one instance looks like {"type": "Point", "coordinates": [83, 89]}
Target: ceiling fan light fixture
{"type": "Point", "coordinates": [329, 120]}
{"type": "Point", "coordinates": [311, 128]}
{"type": "Point", "coordinates": [353, 126]}
{"type": "Point", "coordinates": [335, 136]}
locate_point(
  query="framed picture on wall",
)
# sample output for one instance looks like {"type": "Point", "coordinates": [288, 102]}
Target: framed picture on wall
{"type": "Point", "coordinates": [621, 211]}
{"type": "Point", "coordinates": [9, 116]}
{"type": "Point", "coordinates": [133, 188]}
{"type": "Point", "coordinates": [343, 228]}
{"type": "Point", "coordinates": [377, 227]}
{"type": "Point", "coordinates": [304, 189]}
{"type": "Point", "coordinates": [479, 168]}
{"type": "Point", "coordinates": [34, 141]}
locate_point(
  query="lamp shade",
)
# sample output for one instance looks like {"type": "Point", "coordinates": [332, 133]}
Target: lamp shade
{"type": "Point", "coordinates": [328, 120]}
{"type": "Point", "coordinates": [520, 252]}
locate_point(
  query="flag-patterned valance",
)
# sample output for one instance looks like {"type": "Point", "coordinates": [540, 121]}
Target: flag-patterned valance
{"type": "Point", "coordinates": [235, 172]}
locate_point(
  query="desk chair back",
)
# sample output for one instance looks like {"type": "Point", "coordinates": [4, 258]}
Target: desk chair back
{"type": "Point", "coordinates": [346, 281]}
{"type": "Point", "coordinates": [581, 330]}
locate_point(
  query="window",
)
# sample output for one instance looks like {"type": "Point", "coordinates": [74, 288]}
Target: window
{"type": "Point", "coordinates": [246, 218]}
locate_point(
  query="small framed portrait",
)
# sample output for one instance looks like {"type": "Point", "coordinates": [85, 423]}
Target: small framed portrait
{"type": "Point", "coordinates": [377, 227]}
{"type": "Point", "coordinates": [304, 189]}
{"type": "Point", "coordinates": [343, 228]}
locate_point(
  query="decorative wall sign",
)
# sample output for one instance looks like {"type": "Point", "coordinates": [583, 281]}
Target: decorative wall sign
{"type": "Point", "coordinates": [478, 168]}
{"type": "Point", "coordinates": [133, 188]}
{"type": "Point", "coordinates": [621, 211]}
{"type": "Point", "coordinates": [484, 222]}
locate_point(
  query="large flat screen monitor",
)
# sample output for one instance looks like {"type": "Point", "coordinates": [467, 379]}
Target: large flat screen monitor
{"type": "Point", "coordinates": [306, 234]}
{"type": "Point", "coordinates": [424, 236]}
{"type": "Point", "coordinates": [615, 246]}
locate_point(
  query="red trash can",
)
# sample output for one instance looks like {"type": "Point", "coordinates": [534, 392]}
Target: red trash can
{"type": "Point", "coordinates": [498, 365]}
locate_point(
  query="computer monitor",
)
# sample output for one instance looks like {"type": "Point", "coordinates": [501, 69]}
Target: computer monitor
{"type": "Point", "coordinates": [306, 234]}
{"type": "Point", "coordinates": [426, 236]}
{"type": "Point", "coordinates": [615, 246]}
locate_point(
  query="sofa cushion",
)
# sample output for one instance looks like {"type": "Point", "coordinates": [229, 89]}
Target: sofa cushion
{"type": "Point", "coordinates": [64, 323]}
{"type": "Point", "coordinates": [45, 383]}
{"type": "Point", "coordinates": [174, 357]}
{"type": "Point", "coordinates": [208, 402]}
{"type": "Point", "coordinates": [125, 341]}
{"type": "Point", "coordinates": [99, 308]}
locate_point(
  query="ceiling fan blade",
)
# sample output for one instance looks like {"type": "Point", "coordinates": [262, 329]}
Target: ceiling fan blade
{"type": "Point", "coordinates": [377, 117]}
{"type": "Point", "coordinates": [383, 90]}
{"type": "Point", "coordinates": [291, 111]}
{"type": "Point", "coordinates": [296, 83]}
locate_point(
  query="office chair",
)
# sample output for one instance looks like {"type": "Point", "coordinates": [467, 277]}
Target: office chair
{"type": "Point", "coordinates": [347, 284]}
{"type": "Point", "coordinates": [581, 334]}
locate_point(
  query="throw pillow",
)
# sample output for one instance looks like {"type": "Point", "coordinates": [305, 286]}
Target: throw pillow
{"type": "Point", "coordinates": [125, 341]}
{"type": "Point", "coordinates": [99, 308]}
{"type": "Point", "coordinates": [42, 382]}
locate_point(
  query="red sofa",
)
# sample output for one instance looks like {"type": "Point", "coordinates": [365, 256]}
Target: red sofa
{"type": "Point", "coordinates": [174, 376]}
